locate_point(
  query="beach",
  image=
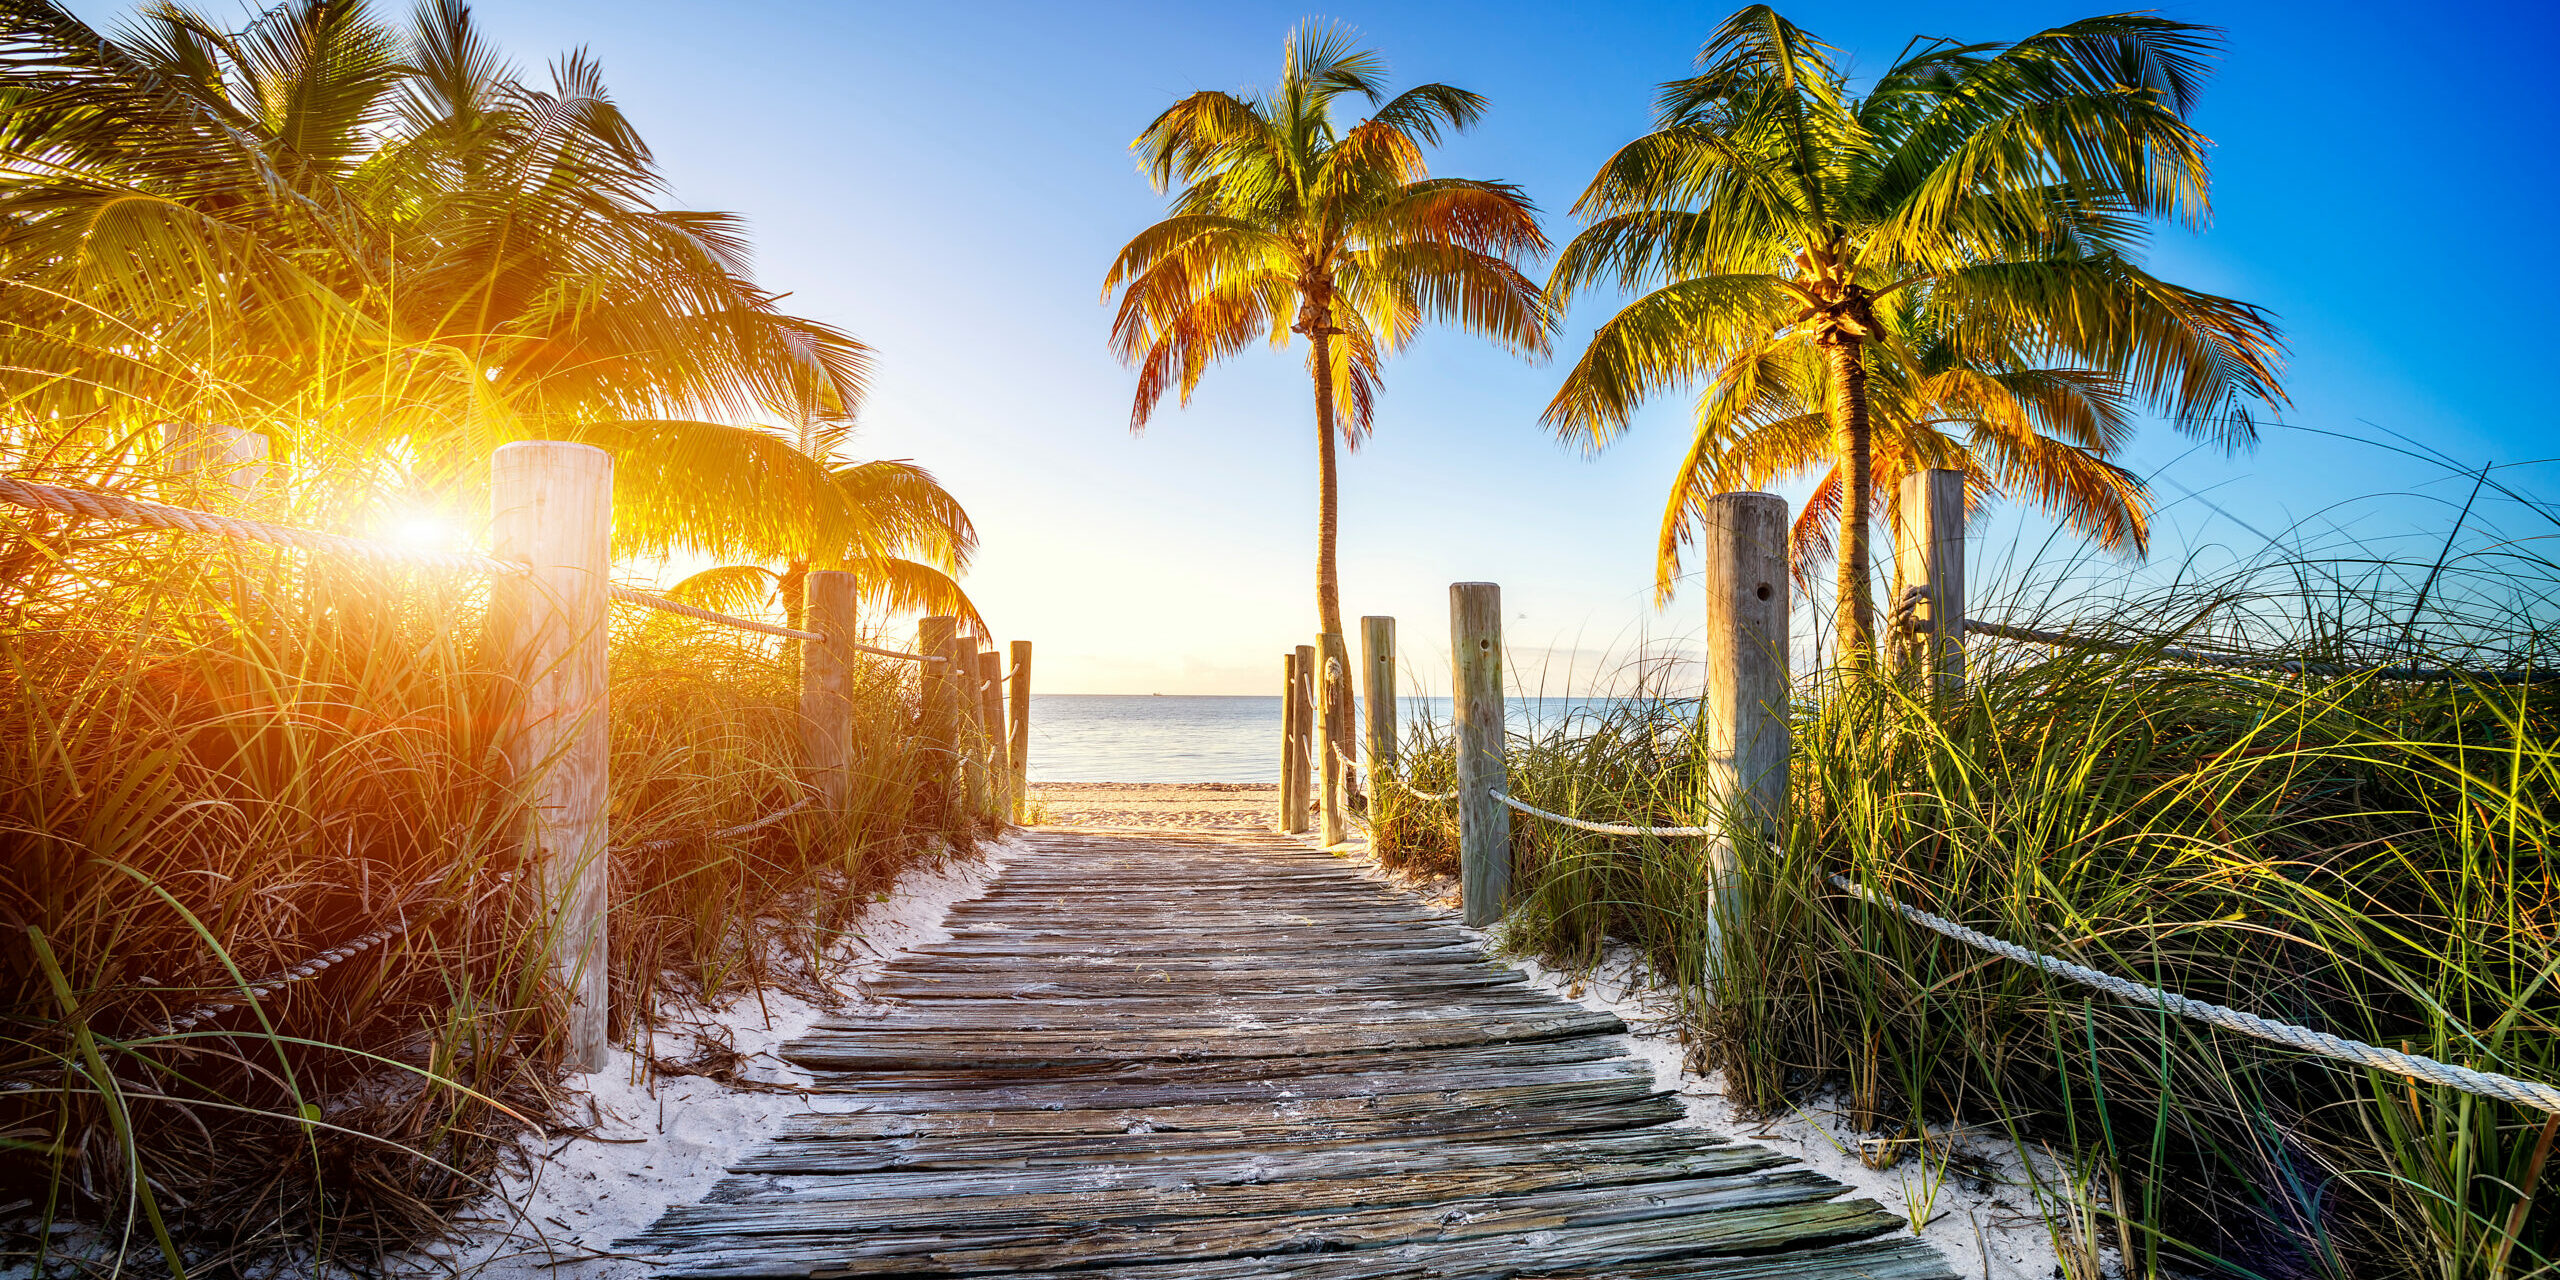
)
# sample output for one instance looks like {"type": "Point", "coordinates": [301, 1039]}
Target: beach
{"type": "Point", "coordinates": [1181, 806]}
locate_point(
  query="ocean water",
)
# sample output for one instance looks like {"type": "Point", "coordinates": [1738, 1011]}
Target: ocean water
{"type": "Point", "coordinates": [1097, 737]}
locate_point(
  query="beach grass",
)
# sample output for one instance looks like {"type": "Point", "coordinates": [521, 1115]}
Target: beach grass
{"type": "Point", "coordinates": [225, 761]}
{"type": "Point", "coordinates": [2369, 857]}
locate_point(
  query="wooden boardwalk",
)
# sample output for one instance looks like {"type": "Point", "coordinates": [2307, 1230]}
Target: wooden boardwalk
{"type": "Point", "coordinates": [1213, 1056]}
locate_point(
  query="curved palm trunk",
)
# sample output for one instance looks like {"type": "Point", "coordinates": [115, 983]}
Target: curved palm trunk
{"type": "Point", "coordinates": [1328, 581]}
{"type": "Point", "coordinates": [1852, 446]}
{"type": "Point", "coordinates": [793, 578]}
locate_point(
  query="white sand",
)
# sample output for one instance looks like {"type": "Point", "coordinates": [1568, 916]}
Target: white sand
{"type": "Point", "coordinates": [656, 1143]}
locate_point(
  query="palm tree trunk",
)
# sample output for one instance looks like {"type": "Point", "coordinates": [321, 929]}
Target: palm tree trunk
{"type": "Point", "coordinates": [793, 579]}
{"type": "Point", "coordinates": [1328, 580]}
{"type": "Point", "coordinates": [1852, 446]}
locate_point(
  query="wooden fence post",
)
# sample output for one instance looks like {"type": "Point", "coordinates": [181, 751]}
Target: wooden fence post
{"type": "Point", "coordinates": [826, 682]}
{"type": "Point", "coordinates": [1019, 757]}
{"type": "Point", "coordinates": [1378, 694]}
{"type": "Point", "coordinates": [1484, 825]}
{"type": "Point", "coordinates": [1333, 702]}
{"type": "Point", "coordinates": [937, 727]}
{"type": "Point", "coordinates": [223, 465]}
{"type": "Point", "coordinates": [552, 508]}
{"type": "Point", "coordinates": [991, 710]}
{"type": "Point", "coordinates": [972, 724]}
{"type": "Point", "coordinates": [1743, 545]}
{"type": "Point", "coordinates": [1302, 700]}
{"type": "Point", "coordinates": [1928, 550]}
{"type": "Point", "coordinates": [1289, 767]}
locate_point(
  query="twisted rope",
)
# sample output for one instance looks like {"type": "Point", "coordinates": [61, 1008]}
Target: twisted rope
{"type": "Point", "coordinates": [1603, 828]}
{"type": "Point", "coordinates": [308, 969]}
{"type": "Point", "coordinates": [2486, 1083]}
{"type": "Point", "coordinates": [156, 515]}
{"type": "Point", "coordinates": [724, 833]}
{"type": "Point", "coordinates": [635, 596]}
{"type": "Point", "coordinates": [2180, 653]}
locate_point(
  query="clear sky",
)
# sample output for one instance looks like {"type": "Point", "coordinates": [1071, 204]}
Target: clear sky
{"type": "Point", "coordinates": [949, 182]}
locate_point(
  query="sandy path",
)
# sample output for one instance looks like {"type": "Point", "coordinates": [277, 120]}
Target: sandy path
{"type": "Point", "coordinates": [1181, 806]}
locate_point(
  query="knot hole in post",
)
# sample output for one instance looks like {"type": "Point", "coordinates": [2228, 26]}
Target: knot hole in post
{"type": "Point", "coordinates": [1763, 592]}
{"type": "Point", "coordinates": [1484, 646]}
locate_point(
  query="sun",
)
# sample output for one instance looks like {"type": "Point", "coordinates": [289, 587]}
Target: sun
{"type": "Point", "coordinates": [424, 531]}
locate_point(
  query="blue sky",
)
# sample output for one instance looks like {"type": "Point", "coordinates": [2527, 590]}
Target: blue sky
{"type": "Point", "coordinates": [949, 182]}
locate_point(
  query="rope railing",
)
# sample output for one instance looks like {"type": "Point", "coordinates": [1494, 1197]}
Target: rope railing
{"type": "Point", "coordinates": [2506, 1088]}
{"type": "Point", "coordinates": [2320, 1043]}
{"type": "Point", "coordinates": [157, 515]}
{"type": "Point", "coordinates": [670, 842]}
{"type": "Point", "coordinates": [325, 960]}
{"type": "Point", "coordinates": [635, 596]}
{"type": "Point", "coordinates": [2240, 661]}
{"type": "Point", "coordinates": [1602, 828]}
{"type": "Point", "coordinates": [311, 968]}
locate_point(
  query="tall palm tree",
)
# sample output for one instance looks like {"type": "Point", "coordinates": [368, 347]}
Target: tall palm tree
{"type": "Point", "coordinates": [1291, 222]}
{"type": "Point", "coordinates": [2006, 188]}
{"type": "Point", "coordinates": [2015, 429]}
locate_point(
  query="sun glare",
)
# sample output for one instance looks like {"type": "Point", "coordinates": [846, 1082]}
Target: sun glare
{"type": "Point", "coordinates": [425, 531]}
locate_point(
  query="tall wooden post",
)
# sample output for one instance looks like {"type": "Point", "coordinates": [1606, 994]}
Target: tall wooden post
{"type": "Point", "coordinates": [552, 505]}
{"type": "Point", "coordinates": [1928, 552]}
{"type": "Point", "coordinates": [1308, 767]}
{"type": "Point", "coordinates": [1484, 825]}
{"type": "Point", "coordinates": [937, 720]}
{"type": "Point", "coordinates": [221, 465]}
{"type": "Point", "coordinates": [991, 710]}
{"type": "Point", "coordinates": [1019, 756]}
{"type": "Point", "coordinates": [1743, 560]}
{"type": "Point", "coordinates": [826, 682]}
{"type": "Point", "coordinates": [973, 727]}
{"type": "Point", "coordinates": [1333, 733]}
{"type": "Point", "coordinates": [1378, 694]}
{"type": "Point", "coordinates": [1291, 768]}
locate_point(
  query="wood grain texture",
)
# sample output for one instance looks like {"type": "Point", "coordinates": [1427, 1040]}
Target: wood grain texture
{"type": "Point", "coordinates": [1333, 734]}
{"type": "Point", "coordinates": [1378, 692]}
{"type": "Point", "coordinates": [1743, 571]}
{"type": "Point", "coordinates": [1018, 752]}
{"type": "Point", "coordinates": [938, 720]}
{"type": "Point", "coordinates": [1476, 714]}
{"type": "Point", "coordinates": [829, 607]}
{"type": "Point", "coordinates": [1928, 553]}
{"type": "Point", "coordinates": [1195, 1057]}
{"type": "Point", "coordinates": [552, 508]}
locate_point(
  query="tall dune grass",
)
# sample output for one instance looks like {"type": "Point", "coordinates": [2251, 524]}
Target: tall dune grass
{"type": "Point", "coordinates": [2368, 857]}
{"type": "Point", "coordinates": [223, 761]}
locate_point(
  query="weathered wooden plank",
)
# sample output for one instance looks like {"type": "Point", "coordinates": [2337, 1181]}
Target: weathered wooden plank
{"type": "Point", "coordinates": [1141, 1142]}
{"type": "Point", "coordinates": [1612, 1158]}
{"type": "Point", "coordinates": [854, 1248]}
{"type": "Point", "coordinates": [889, 1204]}
{"type": "Point", "coordinates": [1260, 1113]}
{"type": "Point", "coordinates": [1204, 1058]}
{"type": "Point", "coordinates": [1721, 1219]}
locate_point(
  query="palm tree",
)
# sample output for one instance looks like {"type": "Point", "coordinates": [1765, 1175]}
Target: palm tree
{"type": "Point", "coordinates": [2014, 429]}
{"type": "Point", "coordinates": [325, 225]}
{"type": "Point", "coordinates": [765, 497]}
{"type": "Point", "coordinates": [1292, 223]}
{"type": "Point", "coordinates": [2006, 189]}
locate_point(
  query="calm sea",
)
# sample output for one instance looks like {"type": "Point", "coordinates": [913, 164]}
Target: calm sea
{"type": "Point", "coordinates": [1093, 737]}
